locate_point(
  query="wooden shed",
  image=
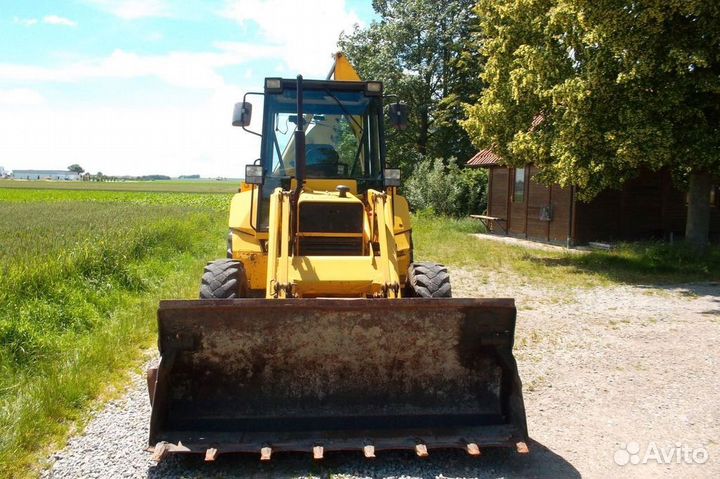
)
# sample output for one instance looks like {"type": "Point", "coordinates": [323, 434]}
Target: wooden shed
{"type": "Point", "coordinates": [647, 207]}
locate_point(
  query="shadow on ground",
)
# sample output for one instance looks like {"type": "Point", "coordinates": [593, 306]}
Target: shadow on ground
{"type": "Point", "coordinates": [494, 463]}
{"type": "Point", "coordinates": [632, 271]}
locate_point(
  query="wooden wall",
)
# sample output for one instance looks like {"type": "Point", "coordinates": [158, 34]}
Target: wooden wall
{"type": "Point", "coordinates": [498, 196]}
{"type": "Point", "coordinates": [648, 207]}
{"type": "Point", "coordinates": [524, 218]}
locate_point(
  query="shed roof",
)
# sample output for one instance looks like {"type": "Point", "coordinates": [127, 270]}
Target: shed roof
{"type": "Point", "coordinates": [484, 158]}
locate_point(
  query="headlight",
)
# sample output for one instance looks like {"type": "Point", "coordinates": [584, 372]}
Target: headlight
{"type": "Point", "coordinates": [253, 174]}
{"type": "Point", "coordinates": [392, 177]}
{"type": "Point", "coordinates": [374, 88]}
{"type": "Point", "coordinates": [273, 85]}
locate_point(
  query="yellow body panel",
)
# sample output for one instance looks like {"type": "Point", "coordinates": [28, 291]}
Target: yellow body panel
{"type": "Point", "coordinates": [310, 276]}
{"type": "Point", "coordinates": [325, 184]}
{"type": "Point", "coordinates": [241, 214]}
{"type": "Point", "coordinates": [344, 70]}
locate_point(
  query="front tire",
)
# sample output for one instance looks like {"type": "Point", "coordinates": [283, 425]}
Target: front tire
{"type": "Point", "coordinates": [224, 279]}
{"type": "Point", "coordinates": [428, 280]}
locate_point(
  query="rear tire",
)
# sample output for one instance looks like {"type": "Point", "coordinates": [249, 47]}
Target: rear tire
{"type": "Point", "coordinates": [224, 279]}
{"type": "Point", "coordinates": [428, 280]}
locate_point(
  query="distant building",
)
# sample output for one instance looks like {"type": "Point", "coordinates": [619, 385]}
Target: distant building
{"type": "Point", "coordinates": [2, 172]}
{"type": "Point", "coordinates": [45, 175]}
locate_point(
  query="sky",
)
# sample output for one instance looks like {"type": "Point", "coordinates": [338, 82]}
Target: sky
{"type": "Point", "coordinates": [136, 87]}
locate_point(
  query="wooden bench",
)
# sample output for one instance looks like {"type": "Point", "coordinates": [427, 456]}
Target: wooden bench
{"type": "Point", "coordinates": [490, 221]}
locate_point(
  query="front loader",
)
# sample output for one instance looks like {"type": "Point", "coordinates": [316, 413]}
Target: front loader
{"type": "Point", "coordinates": [319, 331]}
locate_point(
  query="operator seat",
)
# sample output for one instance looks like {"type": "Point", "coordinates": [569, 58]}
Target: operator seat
{"type": "Point", "coordinates": [321, 161]}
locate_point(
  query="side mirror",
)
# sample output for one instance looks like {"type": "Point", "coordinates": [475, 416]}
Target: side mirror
{"type": "Point", "coordinates": [242, 113]}
{"type": "Point", "coordinates": [399, 116]}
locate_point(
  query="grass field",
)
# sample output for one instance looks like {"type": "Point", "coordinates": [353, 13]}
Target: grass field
{"type": "Point", "coordinates": [450, 241]}
{"type": "Point", "coordinates": [81, 274]}
{"type": "Point", "coordinates": [188, 186]}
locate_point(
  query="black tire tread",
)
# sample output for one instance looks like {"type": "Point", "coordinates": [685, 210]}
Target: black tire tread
{"type": "Point", "coordinates": [429, 280]}
{"type": "Point", "coordinates": [223, 279]}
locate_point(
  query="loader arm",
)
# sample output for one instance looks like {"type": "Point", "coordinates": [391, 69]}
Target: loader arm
{"type": "Point", "coordinates": [375, 274]}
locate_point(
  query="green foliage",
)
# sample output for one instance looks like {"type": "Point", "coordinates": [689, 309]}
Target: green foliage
{"type": "Point", "coordinates": [79, 283]}
{"type": "Point", "coordinates": [621, 85]}
{"type": "Point", "coordinates": [420, 50]}
{"type": "Point", "coordinates": [447, 189]}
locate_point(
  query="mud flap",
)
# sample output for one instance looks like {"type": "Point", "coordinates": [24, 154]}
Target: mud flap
{"type": "Point", "coordinates": [254, 375]}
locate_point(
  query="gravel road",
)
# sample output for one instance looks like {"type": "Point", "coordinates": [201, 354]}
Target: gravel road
{"type": "Point", "coordinates": [618, 374]}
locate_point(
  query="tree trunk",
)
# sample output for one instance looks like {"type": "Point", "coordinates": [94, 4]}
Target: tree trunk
{"type": "Point", "coordinates": [423, 133]}
{"type": "Point", "coordinates": [697, 228]}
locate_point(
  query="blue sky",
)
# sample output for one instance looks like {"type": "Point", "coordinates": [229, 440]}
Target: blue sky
{"type": "Point", "coordinates": [147, 86]}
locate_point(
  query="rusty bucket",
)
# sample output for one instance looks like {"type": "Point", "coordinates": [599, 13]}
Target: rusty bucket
{"type": "Point", "coordinates": [261, 376]}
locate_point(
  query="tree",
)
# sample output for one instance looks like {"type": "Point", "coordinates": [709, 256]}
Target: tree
{"type": "Point", "coordinates": [446, 188]}
{"type": "Point", "coordinates": [621, 85]}
{"type": "Point", "coordinates": [75, 168]}
{"type": "Point", "coordinates": [419, 49]}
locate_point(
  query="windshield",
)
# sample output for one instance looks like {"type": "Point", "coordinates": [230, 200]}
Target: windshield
{"type": "Point", "coordinates": [341, 134]}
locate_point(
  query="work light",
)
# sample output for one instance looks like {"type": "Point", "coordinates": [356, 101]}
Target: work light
{"type": "Point", "coordinates": [392, 177]}
{"type": "Point", "coordinates": [253, 175]}
{"type": "Point", "coordinates": [273, 85]}
{"type": "Point", "coordinates": [374, 88]}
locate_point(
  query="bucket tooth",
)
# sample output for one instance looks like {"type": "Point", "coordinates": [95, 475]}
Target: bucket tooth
{"type": "Point", "coordinates": [421, 450]}
{"type": "Point", "coordinates": [211, 454]}
{"type": "Point", "coordinates": [473, 449]}
{"type": "Point", "coordinates": [162, 449]}
{"type": "Point", "coordinates": [318, 452]}
{"type": "Point", "coordinates": [265, 453]}
{"type": "Point", "coordinates": [522, 447]}
{"type": "Point", "coordinates": [369, 451]}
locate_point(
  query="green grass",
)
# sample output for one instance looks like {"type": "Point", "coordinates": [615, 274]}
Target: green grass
{"type": "Point", "coordinates": [449, 241]}
{"type": "Point", "coordinates": [189, 186]}
{"type": "Point", "coordinates": [80, 278]}
{"type": "Point", "coordinates": [141, 198]}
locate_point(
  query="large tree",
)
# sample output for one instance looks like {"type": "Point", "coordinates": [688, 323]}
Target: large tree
{"type": "Point", "coordinates": [420, 50]}
{"type": "Point", "coordinates": [621, 85]}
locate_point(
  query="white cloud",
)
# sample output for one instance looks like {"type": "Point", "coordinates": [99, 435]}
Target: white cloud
{"type": "Point", "coordinates": [118, 141]}
{"type": "Point", "coordinates": [28, 22]}
{"type": "Point", "coordinates": [305, 32]}
{"type": "Point", "coordinates": [133, 9]}
{"type": "Point", "coordinates": [184, 69]}
{"type": "Point", "coordinates": [56, 20]}
{"type": "Point", "coordinates": [20, 96]}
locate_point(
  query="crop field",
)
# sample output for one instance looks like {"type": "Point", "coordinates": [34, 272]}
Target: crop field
{"type": "Point", "coordinates": [80, 276]}
{"type": "Point", "coordinates": [173, 186]}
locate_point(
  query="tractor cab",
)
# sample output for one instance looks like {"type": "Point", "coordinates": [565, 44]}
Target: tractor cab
{"type": "Point", "coordinates": [343, 128]}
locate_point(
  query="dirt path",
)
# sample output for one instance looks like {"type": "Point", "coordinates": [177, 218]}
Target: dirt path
{"type": "Point", "coordinates": [604, 370]}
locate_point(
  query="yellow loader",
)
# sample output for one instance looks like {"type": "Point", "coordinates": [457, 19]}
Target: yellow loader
{"type": "Point", "coordinates": [319, 332]}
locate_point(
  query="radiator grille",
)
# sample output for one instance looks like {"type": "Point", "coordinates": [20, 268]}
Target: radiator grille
{"type": "Point", "coordinates": [311, 246]}
{"type": "Point", "coordinates": [331, 217]}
